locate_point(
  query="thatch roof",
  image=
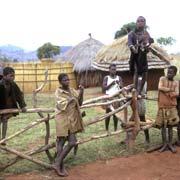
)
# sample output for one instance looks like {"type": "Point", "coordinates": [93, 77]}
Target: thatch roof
{"type": "Point", "coordinates": [118, 52]}
{"type": "Point", "coordinates": [82, 54]}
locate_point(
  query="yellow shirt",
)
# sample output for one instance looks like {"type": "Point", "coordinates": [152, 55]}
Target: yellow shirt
{"type": "Point", "coordinates": [69, 116]}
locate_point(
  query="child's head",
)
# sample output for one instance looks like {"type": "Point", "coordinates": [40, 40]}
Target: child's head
{"type": "Point", "coordinates": [112, 69]}
{"type": "Point", "coordinates": [172, 70]}
{"type": "Point", "coordinates": [8, 74]}
{"type": "Point", "coordinates": [141, 22]}
{"type": "Point", "coordinates": [64, 79]}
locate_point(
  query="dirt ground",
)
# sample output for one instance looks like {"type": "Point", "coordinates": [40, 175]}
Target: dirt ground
{"type": "Point", "coordinates": [147, 166]}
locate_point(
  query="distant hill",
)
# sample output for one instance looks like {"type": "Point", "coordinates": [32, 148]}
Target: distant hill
{"type": "Point", "coordinates": [15, 53]}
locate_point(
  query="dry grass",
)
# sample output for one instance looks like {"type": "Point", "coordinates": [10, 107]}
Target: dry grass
{"type": "Point", "coordinates": [82, 54]}
{"type": "Point", "coordinates": [118, 52]}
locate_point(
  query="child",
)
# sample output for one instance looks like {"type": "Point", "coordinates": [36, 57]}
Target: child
{"type": "Point", "coordinates": [178, 125]}
{"type": "Point", "coordinates": [10, 96]}
{"type": "Point", "coordinates": [68, 120]}
{"type": "Point", "coordinates": [138, 41]}
{"type": "Point", "coordinates": [111, 84]}
{"type": "Point", "coordinates": [167, 116]}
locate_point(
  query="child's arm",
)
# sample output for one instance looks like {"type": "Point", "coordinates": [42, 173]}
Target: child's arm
{"type": "Point", "coordinates": [81, 93]}
{"type": "Point", "coordinates": [19, 97]}
{"type": "Point", "coordinates": [105, 86]}
{"type": "Point", "coordinates": [61, 102]}
{"type": "Point", "coordinates": [161, 86]}
{"type": "Point", "coordinates": [175, 92]}
{"type": "Point", "coordinates": [131, 44]}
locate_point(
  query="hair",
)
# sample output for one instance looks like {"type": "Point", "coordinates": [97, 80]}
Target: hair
{"type": "Point", "coordinates": [174, 68]}
{"type": "Point", "coordinates": [112, 65]}
{"type": "Point", "coordinates": [61, 76]}
{"type": "Point", "coordinates": [142, 18]}
{"type": "Point", "coordinates": [8, 70]}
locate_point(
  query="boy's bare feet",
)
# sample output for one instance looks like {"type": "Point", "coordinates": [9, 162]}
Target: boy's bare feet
{"type": "Point", "coordinates": [108, 132]}
{"type": "Point", "coordinates": [163, 148]}
{"type": "Point", "coordinates": [58, 172]}
{"type": "Point", "coordinates": [63, 170]}
{"type": "Point", "coordinates": [171, 148]}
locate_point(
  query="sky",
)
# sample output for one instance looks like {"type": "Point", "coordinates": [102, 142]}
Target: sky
{"type": "Point", "coordinates": [31, 23]}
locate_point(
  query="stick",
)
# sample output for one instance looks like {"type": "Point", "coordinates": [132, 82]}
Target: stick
{"type": "Point", "coordinates": [100, 118]}
{"type": "Point", "coordinates": [34, 110]}
{"type": "Point", "coordinates": [82, 141]}
{"type": "Point", "coordinates": [132, 135]}
{"type": "Point", "coordinates": [11, 150]}
{"type": "Point", "coordinates": [38, 121]}
{"type": "Point", "coordinates": [29, 153]}
{"type": "Point", "coordinates": [51, 159]}
{"type": "Point", "coordinates": [93, 100]}
{"type": "Point", "coordinates": [103, 103]}
{"type": "Point", "coordinates": [38, 90]}
{"type": "Point", "coordinates": [100, 136]}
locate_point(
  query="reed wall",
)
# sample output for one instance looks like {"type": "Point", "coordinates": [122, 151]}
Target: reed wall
{"type": "Point", "coordinates": [29, 76]}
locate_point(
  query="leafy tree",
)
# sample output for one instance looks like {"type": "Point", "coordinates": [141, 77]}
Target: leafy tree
{"type": "Point", "coordinates": [125, 30]}
{"type": "Point", "coordinates": [166, 41]}
{"type": "Point", "coordinates": [48, 51]}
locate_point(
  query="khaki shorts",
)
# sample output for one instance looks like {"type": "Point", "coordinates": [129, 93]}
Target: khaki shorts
{"type": "Point", "coordinates": [166, 116]}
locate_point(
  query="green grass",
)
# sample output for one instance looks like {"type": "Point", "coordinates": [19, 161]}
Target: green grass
{"type": "Point", "coordinates": [102, 149]}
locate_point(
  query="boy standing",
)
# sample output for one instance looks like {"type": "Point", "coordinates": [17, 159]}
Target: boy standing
{"type": "Point", "coordinates": [10, 96]}
{"type": "Point", "coordinates": [167, 115]}
{"type": "Point", "coordinates": [68, 120]}
{"type": "Point", "coordinates": [111, 84]}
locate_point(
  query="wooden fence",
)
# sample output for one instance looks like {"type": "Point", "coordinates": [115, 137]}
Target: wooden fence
{"type": "Point", "coordinates": [30, 76]}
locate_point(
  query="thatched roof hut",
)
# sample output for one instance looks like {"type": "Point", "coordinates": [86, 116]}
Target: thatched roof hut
{"type": "Point", "coordinates": [118, 52]}
{"type": "Point", "coordinates": [82, 56]}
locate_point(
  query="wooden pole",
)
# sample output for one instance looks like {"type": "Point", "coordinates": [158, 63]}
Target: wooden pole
{"type": "Point", "coordinates": [103, 103]}
{"type": "Point", "coordinates": [38, 90]}
{"type": "Point", "coordinates": [33, 110]}
{"type": "Point", "coordinates": [100, 118]}
{"type": "Point", "coordinates": [38, 121]}
{"type": "Point", "coordinates": [100, 136]}
{"type": "Point", "coordinates": [132, 135]}
{"type": "Point", "coordinates": [29, 153]}
{"type": "Point", "coordinates": [93, 100]}
{"type": "Point", "coordinates": [22, 155]}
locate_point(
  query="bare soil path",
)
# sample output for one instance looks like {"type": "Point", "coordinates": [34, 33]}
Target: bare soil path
{"type": "Point", "coordinates": [147, 166]}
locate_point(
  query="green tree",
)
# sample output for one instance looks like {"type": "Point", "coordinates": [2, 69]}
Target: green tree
{"type": "Point", "coordinates": [48, 51]}
{"type": "Point", "coordinates": [126, 28]}
{"type": "Point", "coordinates": [164, 41]}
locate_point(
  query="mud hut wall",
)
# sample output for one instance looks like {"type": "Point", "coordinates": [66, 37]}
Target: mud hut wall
{"type": "Point", "coordinates": [89, 78]}
{"type": "Point", "coordinates": [153, 78]}
{"type": "Point", "coordinates": [30, 76]}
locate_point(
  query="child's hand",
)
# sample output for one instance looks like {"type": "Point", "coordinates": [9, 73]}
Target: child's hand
{"type": "Point", "coordinates": [134, 50]}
